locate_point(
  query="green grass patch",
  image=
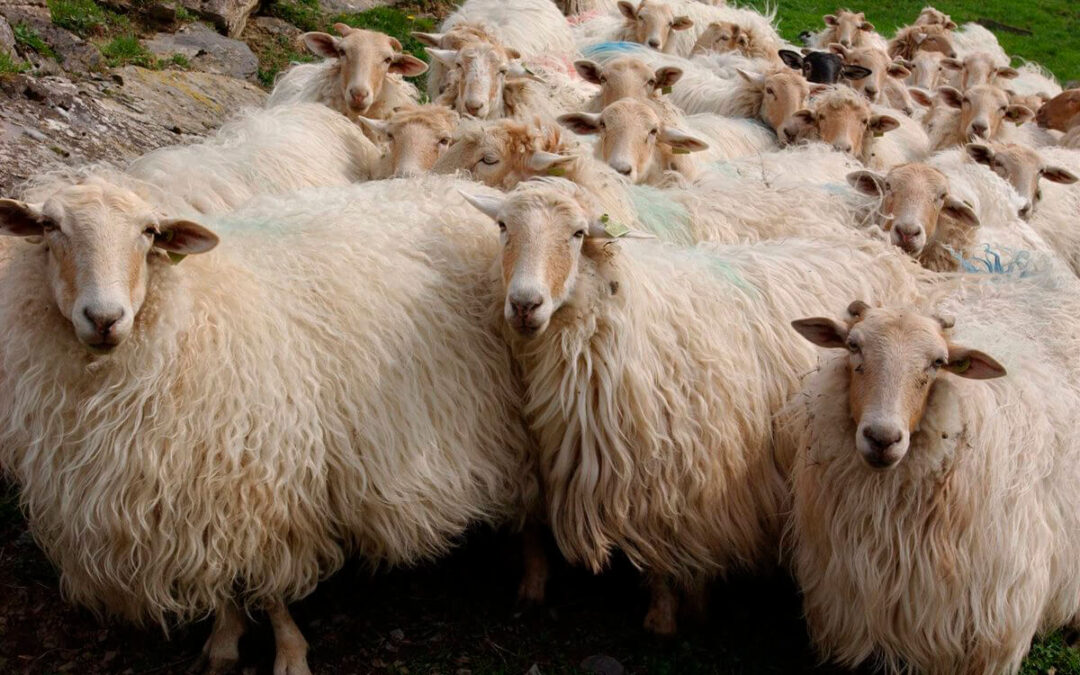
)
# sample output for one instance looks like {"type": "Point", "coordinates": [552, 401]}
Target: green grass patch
{"type": "Point", "coordinates": [175, 60]}
{"type": "Point", "coordinates": [1054, 25]}
{"type": "Point", "coordinates": [183, 15]}
{"type": "Point", "coordinates": [394, 23]}
{"type": "Point", "coordinates": [1051, 654]}
{"type": "Point", "coordinates": [10, 65]}
{"type": "Point", "coordinates": [275, 56]}
{"type": "Point", "coordinates": [28, 38]}
{"type": "Point", "coordinates": [126, 50]}
{"type": "Point", "coordinates": [304, 14]}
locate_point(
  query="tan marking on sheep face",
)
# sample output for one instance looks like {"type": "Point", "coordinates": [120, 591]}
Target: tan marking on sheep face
{"type": "Point", "coordinates": [365, 58]}
{"type": "Point", "coordinates": [417, 137]}
{"type": "Point", "coordinates": [98, 239]}
{"type": "Point", "coordinates": [982, 110]}
{"type": "Point", "coordinates": [932, 38]}
{"type": "Point", "coordinates": [651, 22]}
{"type": "Point", "coordinates": [981, 68]}
{"type": "Point", "coordinates": [480, 71]}
{"type": "Point", "coordinates": [496, 153]}
{"type": "Point", "coordinates": [1022, 167]}
{"type": "Point", "coordinates": [843, 120]}
{"type": "Point", "coordinates": [928, 69]}
{"type": "Point", "coordinates": [850, 29]}
{"type": "Point", "coordinates": [875, 60]}
{"type": "Point", "coordinates": [630, 77]}
{"type": "Point", "coordinates": [894, 358]}
{"type": "Point", "coordinates": [722, 37]}
{"type": "Point", "coordinates": [542, 236]}
{"type": "Point", "coordinates": [935, 17]}
{"type": "Point", "coordinates": [783, 94]}
{"type": "Point", "coordinates": [1062, 112]}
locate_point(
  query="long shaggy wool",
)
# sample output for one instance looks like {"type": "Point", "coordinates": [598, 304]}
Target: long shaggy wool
{"type": "Point", "coordinates": [953, 560]}
{"type": "Point", "coordinates": [533, 27]}
{"type": "Point", "coordinates": [321, 83]}
{"type": "Point", "coordinates": [328, 381]}
{"type": "Point", "coordinates": [652, 393]}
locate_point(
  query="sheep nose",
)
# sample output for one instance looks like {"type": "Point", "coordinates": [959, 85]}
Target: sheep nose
{"type": "Point", "coordinates": [846, 43]}
{"type": "Point", "coordinates": [871, 93]}
{"type": "Point", "coordinates": [1025, 212]}
{"type": "Point", "coordinates": [842, 146]}
{"type": "Point", "coordinates": [103, 319]}
{"type": "Point", "coordinates": [525, 305]}
{"type": "Point", "coordinates": [654, 43]}
{"type": "Point", "coordinates": [881, 437]}
{"type": "Point", "coordinates": [979, 129]}
{"type": "Point", "coordinates": [473, 108]}
{"type": "Point", "coordinates": [358, 99]}
{"type": "Point", "coordinates": [622, 167]}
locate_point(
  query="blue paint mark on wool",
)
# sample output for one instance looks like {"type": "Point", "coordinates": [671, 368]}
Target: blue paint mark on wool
{"type": "Point", "coordinates": [991, 262]}
{"type": "Point", "coordinates": [602, 51]}
{"type": "Point", "coordinates": [661, 215]}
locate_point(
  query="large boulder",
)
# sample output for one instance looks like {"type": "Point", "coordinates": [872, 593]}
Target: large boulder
{"type": "Point", "coordinates": [72, 52]}
{"type": "Point", "coordinates": [7, 38]}
{"type": "Point", "coordinates": [206, 50]}
{"type": "Point", "coordinates": [230, 16]}
{"type": "Point", "coordinates": [51, 122]}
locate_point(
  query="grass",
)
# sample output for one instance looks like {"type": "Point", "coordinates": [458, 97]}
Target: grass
{"type": "Point", "coordinates": [11, 66]}
{"type": "Point", "coordinates": [1054, 25]}
{"type": "Point", "coordinates": [127, 50]}
{"type": "Point", "coordinates": [28, 38]}
{"type": "Point", "coordinates": [83, 17]}
{"type": "Point", "coordinates": [393, 22]}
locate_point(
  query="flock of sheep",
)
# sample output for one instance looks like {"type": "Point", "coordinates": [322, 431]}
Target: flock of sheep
{"type": "Point", "coordinates": [591, 292]}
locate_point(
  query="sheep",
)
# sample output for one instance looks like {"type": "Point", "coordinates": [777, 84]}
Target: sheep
{"type": "Point", "coordinates": [850, 29]}
{"type": "Point", "coordinates": [848, 123]}
{"type": "Point", "coordinates": [1029, 101]}
{"type": "Point", "coordinates": [746, 39]}
{"type": "Point", "coordinates": [217, 435]}
{"type": "Point", "coordinates": [416, 137]}
{"type": "Point", "coordinates": [974, 38]}
{"type": "Point", "coordinates": [456, 38]}
{"type": "Point", "coordinates": [1062, 112]}
{"type": "Point", "coordinates": [626, 77]}
{"type": "Point", "coordinates": [822, 67]}
{"type": "Point", "coordinates": [910, 40]}
{"type": "Point", "coordinates": [262, 151]}
{"type": "Point", "coordinates": [956, 118]}
{"type": "Point", "coordinates": [929, 69]}
{"type": "Point", "coordinates": [652, 23]}
{"type": "Point", "coordinates": [930, 16]}
{"type": "Point", "coordinates": [361, 74]}
{"type": "Point", "coordinates": [653, 441]}
{"type": "Point", "coordinates": [884, 81]}
{"type": "Point", "coordinates": [981, 68]}
{"type": "Point", "coordinates": [935, 507]}
{"type": "Point", "coordinates": [531, 27]}
{"type": "Point", "coordinates": [914, 206]}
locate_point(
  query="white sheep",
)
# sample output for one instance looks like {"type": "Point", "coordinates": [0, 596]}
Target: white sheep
{"type": "Point", "coordinates": [652, 408]}
{"type": "Point", "coordinates": [532, 27]}
{"type": "Point", "coordinates": [936, 517]}
{"type": "Point", "coordinates": [360, 74]}
{"type": "Point", "coordinates": [218, 435]}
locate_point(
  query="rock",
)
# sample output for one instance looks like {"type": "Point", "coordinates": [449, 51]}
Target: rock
{"type": "Point", "coordinates": [338, 6]}
{"type": "Point", "coordinates": [601, 664]}
{"type": "Point", "coordinates": [271, 27]}
{"type": "Point", "coordinates": [207, 51]}
{"type": "Point", "coordinates": [50, 122]}
{"type": "Point", "coordinates": [73, 53]}
{"type": "Point", "coordinates": [230, 16]}
{"type": "Point", "coordinates": [7, 38]}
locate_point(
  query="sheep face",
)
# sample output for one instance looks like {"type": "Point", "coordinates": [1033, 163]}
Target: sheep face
{"type": "Point", "coordinates": [1022, 168]}
{"type": "Point", "coordinates": [479, 77]}
{"type": "Point", "coordinates": [913, 199]}
{"type": "Point", "coordinates": [495, 153]}
{"type": "Point", "coordinates": [782, 95]}
{"type": "Point", "coordinates": [842, 120]}
{"type": "Point", "coordinates": [416, 136]}
{"type": "Point", "coordinates": [982, 110]}
{"type": "Point", "coordinates": [365, 57]}
{"type": "Point", "coordinates": [849, 28]}
{"type": "Point", "coordinates": [722, 37]}
{"type": "Point", "coordinates": [627, 77]}
{"type": "Point", "coordinates": [913, 39]}
{"type": "Point", "coordinates": [633, 139]}
{"type": "Point", "coordinates": [96, 243]}
{"type": "Point", "coordinates": [1062, 112]}
{"type": "Point", "coordinates": [542, 234]}
{"type": "Point", "coordinates": [980, 68]}
{"type": "Point", "coordinates": [929, 68]}
{"type": "Point", "coordinates": [935, 17]}
{"type": "Point", "coordinates": [877, 64]}
{"type": "Point", "coordinates": [894, 358]}
{"type": "Point", "coordinates": [651, 23]}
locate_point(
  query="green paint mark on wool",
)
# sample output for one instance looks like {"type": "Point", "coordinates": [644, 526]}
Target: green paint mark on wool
{"type": "Point", "coordinates": [661, 215]}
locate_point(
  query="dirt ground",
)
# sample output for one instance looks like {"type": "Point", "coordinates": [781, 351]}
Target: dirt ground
{"type": "Point", "coordinates": [456, 616]}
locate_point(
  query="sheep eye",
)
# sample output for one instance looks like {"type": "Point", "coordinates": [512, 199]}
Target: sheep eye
{"type": "Point", "coordinates": [603, 79]}
{"type": "Point", "coordinates": [1038, 194]}
{"type": "Point", "coordinates": [444, 141]}
{"type": "Point", "coordinates": [938, 363]}
{"type": "Point", "coordinates": [580, 234]}
{"type": "Point", "coordinates": [602, 125]}
{"type": "Point", "coordinates": [490, 161]}
{"type": "Point", "coordinates": [388, 60]}
{"type": "Point", "coordinates": [769, 91]}
{"type": "Point", "coordinates": [653, 131]}
{"type": "Point", "coordinates": [651, 83]}
{"type": "Point", "coordinates": [853, 346]}
{"type": "Point", "coordinates": [150, 231]}
{"type": "Point", "coordinates": [502, 226]}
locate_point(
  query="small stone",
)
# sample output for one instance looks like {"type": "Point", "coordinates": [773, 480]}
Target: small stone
{"type": "Point", "coordinates": [601, 664]}
{"type": "Point", "coordinates": [397, 635]}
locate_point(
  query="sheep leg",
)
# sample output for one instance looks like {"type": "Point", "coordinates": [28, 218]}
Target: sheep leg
{"type": "Point", "coordinates": [292, 648]}
{"type": "Point", "coordinates": [222, 649]}
{"type": "Point", "coordinates": [534, 556]}
{"type": "Point", "coordinates": [663, 606]}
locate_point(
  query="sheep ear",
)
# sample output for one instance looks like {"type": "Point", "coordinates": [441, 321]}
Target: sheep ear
{"type": "Point", "coordinates": [344, 29]}
{"type": "Point", "coordinates": [898, 70]}
{"type": "Point", "coordinates": [951, 96]}
{"type": "Point", "coordinates": [184, 237]}
{"type": "Point", "coordinates": [581, 123]}
{"type": "Point", "coordinates": [518, 69]}
{"type": "Point", "coordinates": [973, 364]}
{"type": "Point", "coordinates": [867, 26]}
{"type": "Point", "coordinates": [408, 65]}
{"type": "Point", "coordinates": [322, 44]}
{"type": "Point", "coordinates": [541, 161]}
{"type": "Point", "coordinates": [513, 53]}
{"type": "Point", "coordinates": [818, 88]}
{"type": "Point", "coordinates": [857, 308]}
{"type": "Point", "coordinates": [680, 140]}
{"type": "Point", "coordinates": [950, 24]}
{"type": "Point", "coordinates": [830, 20]}
{"type": "Point", "coordinates": [855, 72]}
{"type": "Point", "coordinates": [982, 154]}
{"type": "Point", "coordinates": [867, 182]}
{"type": "Point", "coordinates": [752, 78]}
{"type": "Point", "coordinates": [790, 59]}
{"type": "Point", "coordinates": [960, 212]}
{"type": "Point", "coordinates": [838, 49]}
{"type": "Point", "coordinates": [485, 204]}
{"type": "Point", "coordinates": [19, 219]}
{"type": "Point", "coordinates": [682, 23]}
{"type": "Point", "coordinates": [822, 331]}
{"type": "Point", "coordinates": [588, 70]}
{"type": "Point", "coordinates": [952, 64]}
{"type": "Point", "coordinates": [921, 96]}
{"type": "Point", "coordinates": [881, 124]}
{"type": "Point", "coordinates": [1008, 73]}
{"type": "Point", "coordinates": [1056, 174]}
{"type": "Point", "coordinates": [377, 127]}
{"type": "Point", "coordinates": [805, 116]}
{"type": "Point", "coordinates": [395, 44]}
{"type": "Point", "coordinates": [447, 57]}
{"type": "Point", "coordinates": [627, 9]}
{"type": "Point", "coordinates": [1018, 114]}
{"type": "Point", "coordinates": [429, 39]}
{"type": "Point", "coordinates": [668, 76]}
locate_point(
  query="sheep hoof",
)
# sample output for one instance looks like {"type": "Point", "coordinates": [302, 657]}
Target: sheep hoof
{"type": "Point", "coordinates": [291, 663]}
{"type": "Point", "coordinates": [531, 592]}
{"type": "Point", "coordinates": [660, 621]}
{"type": "Point", "coordinates": [220, 665]}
